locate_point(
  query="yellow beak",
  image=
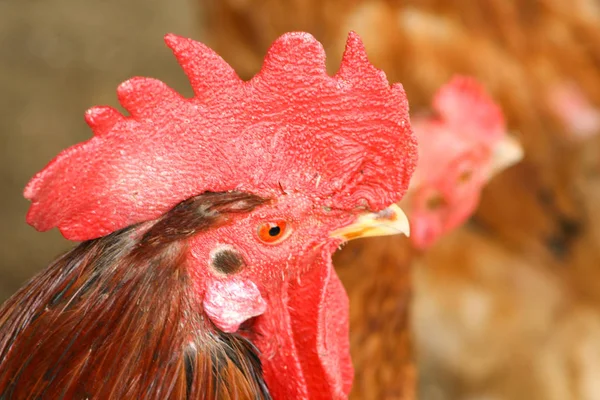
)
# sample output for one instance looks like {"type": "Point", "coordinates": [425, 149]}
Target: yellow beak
{"type": "Point", "coordinates": [506, 154]}
{"type": "Point", "coordinates": [391, 221]}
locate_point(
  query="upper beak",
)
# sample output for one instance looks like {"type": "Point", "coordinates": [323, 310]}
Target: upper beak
{"type": "Point", "coordinates": [391, 221]}
{"type": "Point", "coordinates": [506, 153]}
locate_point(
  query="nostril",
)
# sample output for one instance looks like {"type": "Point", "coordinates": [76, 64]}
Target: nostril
{"type": "Point", "coordinates": [386, 214]}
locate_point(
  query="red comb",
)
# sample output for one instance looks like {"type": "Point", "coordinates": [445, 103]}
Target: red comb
{"type": "Point", "coordinates": [342, 139]}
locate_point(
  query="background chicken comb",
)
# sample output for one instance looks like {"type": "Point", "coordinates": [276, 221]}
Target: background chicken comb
{"type": "Point", "coordinates": [464, 102]}
{"type": "Point", "coordinates": [342, 139]}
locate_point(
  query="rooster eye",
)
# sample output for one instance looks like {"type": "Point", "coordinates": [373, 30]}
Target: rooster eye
{"type": "Point", "coordinates": [273, 232]}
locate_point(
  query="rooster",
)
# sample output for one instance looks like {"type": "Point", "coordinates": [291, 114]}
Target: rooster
{"type": "Point", "coordinates": [207, 228]}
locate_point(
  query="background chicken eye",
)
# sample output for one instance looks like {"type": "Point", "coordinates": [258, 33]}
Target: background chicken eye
{"type": "Point", "coordinates": [273, 232]}
{"type": "Point", "coordinates": [465, 176]}
{"type": "Point", "coordinates": [435, 202]}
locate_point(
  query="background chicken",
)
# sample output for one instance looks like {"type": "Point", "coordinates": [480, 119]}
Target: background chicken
{"type": "Point", "coordinates": [508, 306]}
{"type": "Point", "coordinates": [462, 144]}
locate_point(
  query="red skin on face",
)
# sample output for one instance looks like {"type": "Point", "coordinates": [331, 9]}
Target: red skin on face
{"type": "Point", "coordinates": [303, 334]}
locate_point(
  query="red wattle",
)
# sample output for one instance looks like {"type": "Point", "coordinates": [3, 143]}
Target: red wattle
{"type": "Point", "coordinates": [303, 338]}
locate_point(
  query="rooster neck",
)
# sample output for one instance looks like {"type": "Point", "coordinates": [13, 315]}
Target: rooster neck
{"type": "Point", "coordinates": [117, 317]}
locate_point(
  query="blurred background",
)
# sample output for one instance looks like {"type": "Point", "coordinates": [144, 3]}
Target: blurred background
{"type": "Point", "coordinates": [57, 59]}
{"type": "Point", "coordinates": [506, 307]}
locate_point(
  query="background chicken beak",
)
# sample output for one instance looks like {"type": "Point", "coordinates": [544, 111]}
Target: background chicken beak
{"type": "Point", "coordinates": [506, 153]}
{"type": "Point", "coordinates": [391, 221]}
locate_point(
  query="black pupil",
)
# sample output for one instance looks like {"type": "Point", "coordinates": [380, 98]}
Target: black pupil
{"type": "Point", "coordinates": [274, 231]}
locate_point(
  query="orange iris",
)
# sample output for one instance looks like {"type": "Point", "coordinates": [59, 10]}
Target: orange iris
{"type": "Point", "coordinates": [272, 232]}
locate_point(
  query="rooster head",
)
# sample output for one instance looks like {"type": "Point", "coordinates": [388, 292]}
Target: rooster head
{"type": "Point", "coordinates": [318, 160]}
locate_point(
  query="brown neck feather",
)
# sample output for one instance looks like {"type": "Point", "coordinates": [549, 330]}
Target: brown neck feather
{"type": "Point", "coordinates": [116, 318]}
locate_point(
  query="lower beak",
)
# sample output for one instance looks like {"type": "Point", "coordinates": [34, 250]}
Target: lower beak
{"type": "Point", "coordinates": [391, 221]}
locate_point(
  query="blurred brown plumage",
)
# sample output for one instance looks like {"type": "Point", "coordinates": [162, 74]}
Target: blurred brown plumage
{"type": "Point", "coordinates": [531, 248]}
